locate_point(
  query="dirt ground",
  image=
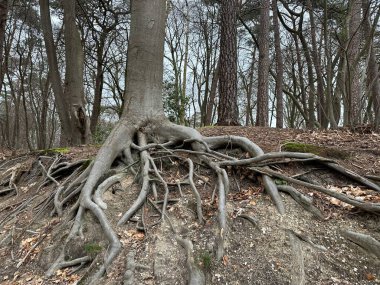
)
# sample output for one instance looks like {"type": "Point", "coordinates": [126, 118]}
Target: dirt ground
{"type": "Point", "coordinates": [295, 248]}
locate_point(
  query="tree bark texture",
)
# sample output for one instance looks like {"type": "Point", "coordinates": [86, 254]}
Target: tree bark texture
{"type": "Point", "coordinates": [3, 21]}
{"type": "Point", "coordinates": [279, 69]}
{"type": "Point", "coordinates": [373, 76]}
{"type": "Point", "coordinates": [99, 79]}
{"type": "Point", "coordinates": [228, 113]}
{"type": "Point", "coordinates": [321, 106]}
{"type": "Point", "coordinates": [262, 89]}
{"type": "Point", "coordinates": [329, 71]}
{"type": "Point", "coordinates": [144, 89]}
{"type": "Point", "coordinates": [353, 69]}
{"type": "Point", "coordinates": [211, 100]}
{"type": "Point", "coordinates": [74, 90]}
{"type": "Point", "coordinates": [53, 67]}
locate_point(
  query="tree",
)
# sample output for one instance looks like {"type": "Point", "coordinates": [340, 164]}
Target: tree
{"type": "Point", "coordinates": [228, 113]}
{"type": "Point", "coordinates": [373, 80]}
{"type": "Point", "coordinates": [3, 20]}
{"type": "Point", "coordinates": [353, 105]}
{"type": "Point", "coordinates": [262, 90]}
{"type": "Point", "coordinates": [70, 97]}
{"type": "Point", "coordinates": [144, 136]}
{"type": "Point", "coordinates": [279, 69]}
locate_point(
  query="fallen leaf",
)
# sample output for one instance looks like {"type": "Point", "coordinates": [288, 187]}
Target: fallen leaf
{"type": "Point", "coordinates": [139, 236]}
{"type": "Point", "coordinates": [225, 260]}
{"type": "Point", "coordinates": [370, 277]}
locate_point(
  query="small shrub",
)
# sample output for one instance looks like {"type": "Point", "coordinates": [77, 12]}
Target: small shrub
{"type": "Point", "coordinates": [205, 260]}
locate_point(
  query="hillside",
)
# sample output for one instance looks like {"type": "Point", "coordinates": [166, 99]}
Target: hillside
{"type": "Point", "coordinates": [310, 244]}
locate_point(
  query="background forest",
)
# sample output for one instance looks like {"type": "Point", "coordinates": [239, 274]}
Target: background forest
{"type": "Point", "coordinates": [299, 64]}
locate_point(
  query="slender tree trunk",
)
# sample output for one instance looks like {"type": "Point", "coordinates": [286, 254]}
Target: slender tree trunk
{"type": "Point", "coordinates": [184, 77]}
{"type": "Point", "coordinates": [279, 69]}
{"type": "Point", "coordinates": [228, 112]}
{"type": "Point", "coordinates": [321, 108]}
{"type": "Point", "coordinates": [55, 76]}
{"type": "Point", "coordinates": [99, 79]}
{"type": "Point", "coordinates": [3, 21]}
{"type": "Point", "coordinates": [211, 100]}
{"type": "Point", "coordinates": [373, 74]}
{"type": "Point", "coordinates": [353, 71]}
{"type": "Point", "coordinates": [301, 81]}
{"type": "Point", "coordinates": [329, 72]}
{"type": "Point", "coordinates": [262, 90]}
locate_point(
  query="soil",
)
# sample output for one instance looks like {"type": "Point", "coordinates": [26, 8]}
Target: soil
{"type": "Point", "coordinates": [295, 248]}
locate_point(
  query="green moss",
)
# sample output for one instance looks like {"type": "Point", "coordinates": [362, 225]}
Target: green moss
{"type": "Point", "coordinates": [280, 182]}
{"type": "Point", "coordinates": [86, 163]}
{"type": "Point", "coordinates": [328, 152]}
{"type": "Point", "coordinates": [92, 248]}
{"type": "Point", "coordinates": [58, 150]}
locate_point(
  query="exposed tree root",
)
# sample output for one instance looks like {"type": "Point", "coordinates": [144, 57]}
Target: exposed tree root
{"type": "Point", "coordinates": [305, 201]}
{"type": "Point", "coordinates": [366, 242]}
{"type": "Point", "coordinates": [298, 274]}
{"type": "Point", "coordinates": [145, 148]}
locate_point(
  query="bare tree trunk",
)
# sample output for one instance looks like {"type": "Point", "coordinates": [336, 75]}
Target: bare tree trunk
{"type": "Point", "coordinates": [228, 112]}
{"type": "Point", "coordinates": [353, 71]}
{"type": "Point", "coordinates": [262, 89]}
{"type": "Point", "coordinates": [279, 69]}
{"type": "Point", "coordinates": [211, 100]}
{"type": "Point", "coordinates": [185, 63]}
{"type": "Point", "coordinates": [55, 76]}
{"type": "Point", "coordinates": [73, 91]}
{"type": "Point", "coordinates": [248, 115]}
{"type": "Point", "coordinates": [321, 109]}
{"type": "Point", "coordinates": [3, 21]}
{"type": "Point", "coordinates": [144, 88]}
{"type": "Point", "coordinates": [329, 72]}
{"type": "Point", "coordinates": [99, 79]}
{"type": "Point", "coordinates": [373, 75]}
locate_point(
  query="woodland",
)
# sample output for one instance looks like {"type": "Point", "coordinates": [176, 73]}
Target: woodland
{"type": "Point", "coordinates": [189, 142]}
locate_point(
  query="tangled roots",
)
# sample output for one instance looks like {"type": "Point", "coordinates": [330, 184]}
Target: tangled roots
{"type": "Point", "coordinates": [141, 152]}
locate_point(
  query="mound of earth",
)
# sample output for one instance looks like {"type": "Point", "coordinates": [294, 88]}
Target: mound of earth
{"type": "Point", "coordinates": [262, 246]}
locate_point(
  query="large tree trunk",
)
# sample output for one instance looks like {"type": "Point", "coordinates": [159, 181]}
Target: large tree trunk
{"type": "Point", "coordinates": [70, 99]}
{"type": "Point", "coordinates": [73, 91]}
{"type": "Point", "coordinates": [262, 90]}
{"type": "Point", "coordinates": [144, 88]}
{"type": "Point", "coordinates": [228, 113]}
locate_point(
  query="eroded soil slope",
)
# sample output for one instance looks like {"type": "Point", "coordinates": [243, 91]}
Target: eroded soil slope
{"type": "Point", "coordinates": [263, 247]}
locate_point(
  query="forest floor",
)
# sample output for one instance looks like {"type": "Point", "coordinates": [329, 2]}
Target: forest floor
{"type": "Point", "coordinates": [295, 248]}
